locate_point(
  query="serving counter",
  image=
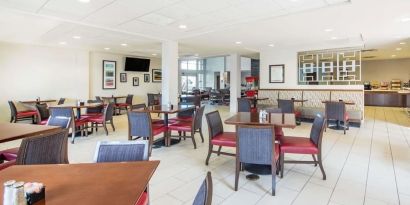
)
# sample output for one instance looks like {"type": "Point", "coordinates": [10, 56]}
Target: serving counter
{"type": "Point", "coordinates": [387, 98]}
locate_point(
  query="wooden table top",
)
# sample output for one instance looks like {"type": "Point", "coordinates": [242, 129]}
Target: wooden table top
{"type": "Point", "coordinates": [253, 98]}
{"type": "Point", "coordinates": [296, 100]}
{"type": "Point", "coordinates": [286, 120]}
{"type": "Point", "coordinates": [102, 183]}
{"type": "Point", "coordinates": [114, 97]}
{"type": "Point", "coordinates": [14, 131]}
{"type": "Point", "coordinates": [75, 105]}
{"type": "Point", "coordinates": [169, 110]}
{"type": "Point", "coordinates": [346, 102]}
{"type": "Point", "coordinates": [35, 101]}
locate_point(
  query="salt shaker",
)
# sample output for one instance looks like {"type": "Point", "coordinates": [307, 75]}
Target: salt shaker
{"type": "Point", "coordinates": [19, 197]}
{"type": "Point", "coordinates": [8, 192]}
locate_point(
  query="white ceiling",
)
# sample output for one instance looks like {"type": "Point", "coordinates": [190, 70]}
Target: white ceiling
{"type": "Point", "coordinates": [213, 26]}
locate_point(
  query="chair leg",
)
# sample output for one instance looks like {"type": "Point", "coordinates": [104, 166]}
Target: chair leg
{"type": "Point", "coordinates": [202, 137]}
{"type": "Point", "coordinates": [11, 119]}
{"type": "Point", "coordinates": [282, 164]}
{"type": "Point", "coordinates": [112, 125]}
{"type": "Point", "coordinates": [238, 164]}
{"type": "Point", "coordinates": [319, 156]}
{"type": "Point", "coordinates": [209, 154]}
{"type": "Point", "coordinates": [219, 150]}
{"type": "Point", "coordinates": [105, 128]}
{"type": "Point", "coordinates": [314, 159]}
{"type": "Point", "coordinates": [273, 168]}
{"type": "Point", "coordinates": [193, 139]}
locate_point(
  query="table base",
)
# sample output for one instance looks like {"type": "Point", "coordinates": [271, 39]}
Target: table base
{"type": "Point", "coordinates": [258, 169]}
{"type": "Point", "coordinates": [161, 143]}
{"type": "Point", "coordinates": [252, 177]}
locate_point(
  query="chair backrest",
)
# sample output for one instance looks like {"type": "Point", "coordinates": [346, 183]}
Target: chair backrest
{"type": "Point", "coordinates": [61, 101]}
{"type": "Point", "coordinates": [126, 151]}
{"type": "Point", "coordinates": [98, 109]}
{"type": "Point", "coordinates": [335, 110]}
{"type": "Point", "coordinates": [139, 124]}
{"type": "Point", "coordinates": [13, 109]}
{"type": "Point", "coordinates": [244, 105]}
{"type": "Point", "coordinates": [316, 133]}
{"type": "Point", "coordinates": [153, 99]}
{"type": "Point", "coordinates": [215, 126]}
{"type": "Point", "coordinates": [140, 106]}
{"type": "Point", "coordinates": [129, 98]}
{"type": "Point", "coordinates": [287, 106]}
{"type": "Point", "coordinates": [43, 111]}
{"type": "Point", "coordinates": [273, 110]}
{"type": "Point", "coordinates": [256, 144]}
{"type": "Point", "coordinates": [63, 112]}
{"type": "Point", "coordinates": [204, 195]}
{"type": "Point", "coordinates": [197, 122]}
{"type": "Point", "coordinates": [49, 148]}
{"type": "Point", "coordinates": [109, 111]}
{"type": "Point", "coordinates": [61, 121]}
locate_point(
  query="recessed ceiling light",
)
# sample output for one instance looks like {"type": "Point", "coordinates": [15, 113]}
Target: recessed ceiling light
{"type": "Point", "coordinates": [154, 54]}
{"type": "Point", "coordinates": [398, 49]}
{"type": "Point", "coordinates": [84, 1]}
{"type": "Point", "coordinates": [328, 30]}
{"type": "Point", "coordinates": [107, 49]}
{"type": "Point", "coordinates": [393, 56]}
{"type": "Point", "coordinates": [124, 44]}
{"type": "Point", "coordinates": [238, 42]}
{"type": "Point", "coordinates": [405, 19]}
{"type": "Point", "coordinates": [334, 38]}
{"type": "Point", "coordinates": [76, 37]}
{"type": "Point", "coordinates": [63, 43]}
{"type": "Point", "coordinates": [182, 26]}
{"type": "Point", "coordinates": [272, 45]}
{"type": "Point", "coordinates": [402, 43]}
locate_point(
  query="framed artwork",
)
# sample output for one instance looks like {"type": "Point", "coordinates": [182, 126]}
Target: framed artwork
{"type": "Point", "coordinates": [146, 78]}
{"type": "Point", "coordinates": [109, 74]}
{"type": "Point", "coordinates": [135, 81]}
{"type": "Point", "coordinates": [277, 73]}
{"type": "Point", "coordinates": [156, 75]}
{"type": "Point", "coordinates": [123, 77]}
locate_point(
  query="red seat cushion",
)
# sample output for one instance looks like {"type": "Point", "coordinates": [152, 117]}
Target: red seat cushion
{"type": "Point", "coordinates": [43, 122]}
{"type": "Point", "coordinates": [87, 115]}
{"type": "Point", "coordinates": [96, 119]}
{"type": "Point", "coordinates": [227, 139]}
{"type": "Point", "coordinates": [7, 164]}
{"type": "Point", "coordinates": [254, 109]}
{"type": "Point", "coordinates": [9, 154]}
{"type": "Point", "coordinates": [28, 113]}
{"type": "Point", "coordinates": [122, 105]}
{"type": "Point", "coordinates": [184, 119]}
{"type": "Point", "coordinates": [143, 200]}
{"type": "Point", "coordinates": [278, 132]}
{"type": "Point", "coordinates": [79, 122]}
{"type": "Point", "coordinates": [298, 113]}
{"type": "Point", "coordinates": [158, 129]}
{"type": "Point", "coordinates": [181, 126]}
{"type": "Point", "coordinates": [346, 116]}
{"type": "Point", "coordinates": [297, 145]}
{"type": "Point", "coordinates": [157, 121]}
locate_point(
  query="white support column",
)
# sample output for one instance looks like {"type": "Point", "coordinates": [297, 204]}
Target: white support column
{"type": "Point", "coordinates": [234, 63]}
{"type": "Point", "coordinates": [170, 72]}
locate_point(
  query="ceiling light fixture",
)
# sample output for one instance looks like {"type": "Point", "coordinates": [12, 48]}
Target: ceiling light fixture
{"type": "Point", "coordinates": [402, 43]}
{"type": "Point", "coordinates": [107, 49]}
{"type": "Point", "coordinates": [124, 44]}
{"type": "Point", "coordinates": [182, 26]}
{"type": "Point", "coordinates": [405, 20]}
{"type": "Point", "coordinates": [328, 30]}
{"type": "Point", "coordinates": [154, 54]}
{"type": "Point", "coordinates": [84, 1]}
{"type": "Point", "coordinates": [238, 42]}
{"type": "Point", "coordinates": [393, 56]}
{"type": "Point", "coordinates": [398, 49]}
{"type": "Point", "coordinates": [334, 38]}
{"type": "Point", "coordinates": [76, 37]}
{"type": "Point", "coordinates": [271, 45]}
{"type": "Point", "coordinates": [63, 43]}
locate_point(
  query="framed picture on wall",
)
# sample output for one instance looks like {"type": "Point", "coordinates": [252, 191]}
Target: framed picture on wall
{"type": "Point", "coordinates": [277, 73]}
{"type": "Point", "coordinates": [135, 81]}
{"type": "Point", "coordinates": [123, 77]}
{"type": "Point", "coordinates": [109, 74]}
{"type": "Point", "coordinates": [156, 75]}
{"type": "Point", "coordinates": [146, 78]}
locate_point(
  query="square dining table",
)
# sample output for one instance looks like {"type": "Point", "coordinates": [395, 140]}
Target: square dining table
{"type": "Point", "coordinates": [78, 107]}
{"type": "Point", "coordinates": [85, 184]}
{"type": "Point", "coordinates": [15, 131]}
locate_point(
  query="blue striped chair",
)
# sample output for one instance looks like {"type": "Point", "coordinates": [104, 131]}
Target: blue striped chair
{"type": "Point", "coordinates": [204, 195]}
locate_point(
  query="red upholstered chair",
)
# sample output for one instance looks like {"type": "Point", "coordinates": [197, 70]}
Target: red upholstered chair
{"type": "Point", "coordinates": [191, 127]}
{"type": "Point", "coordinates": [94, 111]}
{"type": "Point", "coordinates": [304, 145]}
{"type": "Point", "coordinates": [288, 106]}
{"type": "Point", "coordinates": [140, 126]}
{"type": "Point", "coordinates": [337, 111]}
{"type": "Point", "coordinates": [21, 115]}
{"type": "Point", "coordinates": [184, 116]}
{"type": "Point", "coordinates": [43, 114]}
{"type": "Point", "coordinates": [217, 136]}
{"type": "Point", "coordinates": [126, 105]}
{"type": "Point", "coordinates": [102, 120]}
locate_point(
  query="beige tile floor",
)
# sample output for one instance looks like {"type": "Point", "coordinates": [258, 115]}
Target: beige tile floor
{"type": "Point", "coordinates": [368, 165]}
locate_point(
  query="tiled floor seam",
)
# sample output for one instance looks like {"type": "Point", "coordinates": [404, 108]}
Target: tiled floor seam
{"type": "Point", "coordinates": [370, 154]}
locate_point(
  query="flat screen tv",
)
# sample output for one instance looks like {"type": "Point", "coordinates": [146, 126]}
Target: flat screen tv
{"type": "Point", "coordinates": [137, 64]}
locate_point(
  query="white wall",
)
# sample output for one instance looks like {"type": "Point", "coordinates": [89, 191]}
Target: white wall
{"type": "Point", "coordinates": [289, 58]}
{"type": "Point", "coordinates": [28, 71]}
{"type": "Point", "coordinates": [139, 92]}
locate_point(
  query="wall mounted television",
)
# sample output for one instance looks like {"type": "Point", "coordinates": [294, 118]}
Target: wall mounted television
{"type": "Point", "coordinates": [137, 64]}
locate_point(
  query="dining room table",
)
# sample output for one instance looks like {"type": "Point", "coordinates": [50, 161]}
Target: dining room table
{"type": "Point", "coordinates": [166, 110]}
{"type": "Point", "coordinates": [15, 131]}
{"type": "Point", "coordinates": [284, 120]}
{"type": "Point", "coordinates": [86, 183]}
{"type": "Point", "coordinates": [114, 98]}
{"type": "Point", "coordinates": [255, 100]}
{"type": "Point", "coordinates": [37, 101]}
{"type": "Point", "coordinates": [347, 102]}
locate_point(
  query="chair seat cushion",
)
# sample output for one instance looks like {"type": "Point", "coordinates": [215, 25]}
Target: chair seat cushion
{"type": "Point", "coordinates": [157, 121]}
{"type": "Point", "coordinates": [143, 200]}
{"type": "Point", "coordinates": [7, 164]}
{"type": "Point", "coordinates": [227, 139]}
{"type": "Point", "coordinates": [91, 115]}
{"type": "Point", "coordinates": [79, 122]}
{"type": "Point", "coordinates": [9, 154]}
{"type": "Point", "coordinates": [158, 129]}
{"type": "Point", "coordinates": [43, 122]}
{"type": "Point", "coordinates": [28, 113]}
{"type": "Point", "coordinates": [121, 105]}
{"type": "Point", "coordinates": [181, 126]}
{"type": "Point", "coordinates": [254, 109]}
{"type": "Point", "coordinates": [297, 145]}
{"type": "Point", "coordinates": [298, 113]}
{"type": "Point", "coordinates": [346, 116]}
{"type": "Point", "coordinates": [96, 119]}
{"type": "Point", "coordinates": [278, 133]}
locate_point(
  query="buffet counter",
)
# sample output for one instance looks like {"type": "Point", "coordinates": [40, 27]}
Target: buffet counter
{"type": "Point", "coordinates": [387, 98]}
